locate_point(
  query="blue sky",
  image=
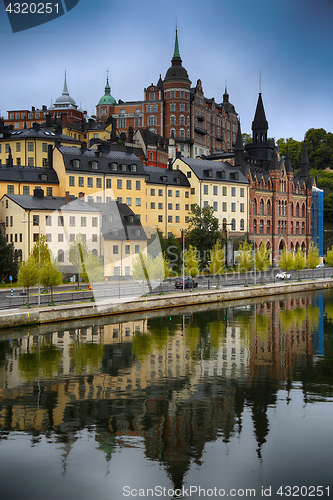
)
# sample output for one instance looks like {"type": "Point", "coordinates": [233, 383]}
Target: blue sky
{"type": "Point", "coordinates": [290, 41]}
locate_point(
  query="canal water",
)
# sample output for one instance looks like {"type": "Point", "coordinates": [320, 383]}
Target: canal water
{"type": "Point", "coordinates": [221, 400]}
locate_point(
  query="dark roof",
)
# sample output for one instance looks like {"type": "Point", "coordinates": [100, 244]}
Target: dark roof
{"type": "Point", "coordinates": [260, 122]}
{"type": "Point", "coordinates": [104, 158]}
{"type": "Point", "coordinates": [50, 203]}
{"type": "Point", "coordinates": [212, 170]}
{"type": "Point", "coordinates": [28, 174]}
{"type": "Point", "coordinates": [153, 139]}
{"type": "Point", "coordinates": [119, 222]}
{"type": "Point", "coordinates": [158, 175]}
{"type": "Point", "coordinates": [39, 133]}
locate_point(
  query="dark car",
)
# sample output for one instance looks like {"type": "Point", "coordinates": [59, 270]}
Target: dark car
{"type": "Point", "coordinates": [188, 283]}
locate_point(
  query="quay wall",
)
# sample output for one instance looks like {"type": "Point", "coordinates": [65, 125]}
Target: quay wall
{"type": "Point", "coordinates": [45, 315]}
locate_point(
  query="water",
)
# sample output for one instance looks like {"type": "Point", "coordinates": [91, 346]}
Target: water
{"type": "Point", "coordinates": [225, 400]}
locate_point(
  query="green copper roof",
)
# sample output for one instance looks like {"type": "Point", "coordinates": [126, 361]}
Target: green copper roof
{"type": "Point", "coordinates": [107, 98]}
{"type": "Point", "coordinates": [176, 53]}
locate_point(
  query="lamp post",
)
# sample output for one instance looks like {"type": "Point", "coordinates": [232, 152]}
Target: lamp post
{"type": "Point", "coordinates": [36, 223]}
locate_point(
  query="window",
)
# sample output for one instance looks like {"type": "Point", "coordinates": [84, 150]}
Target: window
{"type": "Point", "coordinates": [241, 207]}
{"type": "Point", "coordinates": [160, 192]}
{"type": "Point", "coordinates": [18, 162]}
{"type": "Point", "coordinates": [119, 184]}
{"type": "Point", "coordinates": [48, 237]}
{"type": "Point", "coordinates": [90, 182]}
{"type": "Point", "coordinates": [18, 146]}
{"type": "Point", "coordinates": [76, 163]}
{"type": "Point", "coordinates": [48, 220]}
{"type": "Point", "coordinates": [115, 249]}
{"type": "Point", "coordinates": [152, 121]}
{"type": "Point", "coordinates": [44, 147]}
{"type": "Point", "coordinates": [128, 184]}
{"type": "Point", "coordinates": [30, 146]}
{"type": "Point", "coordinates": [129, 201]}
{"type": "Point", "coordinates": [99, 182]}
{"type": "Point", "coordinates": [119, 199]}
{"type": "Point", "coordinates": [160, 206]}
{"type": "Point", "coordinates": [242, 192]}
{"type": "Point", "coordinates": [60, 220]}
{"type": "Point", "coordinates": [172, 93]}
{"type": "Point", "coordinates": [124, 167]}
{"type": "Point", "coordinates": [169, 218]}
{"type": "Point", "coordinates": [94, 165]}
{"type": "Point", "coordinates": [127, 249]}
{"type": "Point", "coordinates": [169, 206]}
{"type": "Point", "coordinates": [215, 190]}
{"type": "Point", "coordinates": [177, 206]}
{"type": "Point", "coordinates": [94, 238]}
{"type": "Point", "coordinates": [241, 224]}
{"type": "Point", "coordinates": [187, 207]}
{"type": "Point", "coordinates": [224, 206]}
{"type": "Point", "coordinates": [60, 237]}
{"type": "Point", "coordinates": [233, 191]}
{"type": "Point", "coordinates": [192, 190]}
{"type": "Point", "coordinates": [152, 205]}
{"type": "Point", "coordinates": [72, 221]}
{"type": "Point", "coordinates": [71, 181]}
{"type": "Point", "coordinates": [138, 202]}
{"type": "Point", "coordinates": [205, 204]}
{"type": "Point", "coordinates": [11, 221]}
{"type": "Point", "coordinates": [35, 237]}
{"type": "Point", "coordinates": [205, 189]}
{"type": "Point", "coordinates": [215, 206]}
{"type": "Point", "coordinates": [177, 219]}
{"type": "Point", "coordinates": [268, 227]}
{"type": "Point", "coordinates": [233, 225]}
{"type": "Point", "coordinates": [35, 220]}
{"type": "Point", "coordinates": [7, 221]}
{"type": "Point", "coordinates": [114, 167]}
{"type": "Point", "coordinates": [26, 190]}
{"type": "Point", "coordinates": [83, 221]}
{"type": "Point", "coordinates": [61, 256]}
{"type": "Point", "coordinates": [94, 222]}
{"type": "Point", "coordinates": [186, 219]}
{"type": "Point", "coordinates": [30, 162]}
{"type": "Point", "coordinates": [160, 218]}
{"type": "Point", "coordinates": [233, 207]}
{"type": "Point", "coordinates": [224, 190]}
{"type": "Point", "coordinates": [137, 249]}
{"type": "Point", "coordinates": [261, 227]}
{"type": "Point", "coordinates": [44, 162]}
{"type": "Point", "coordinates": [138, 185]}
{"type": "Point", "coordinates": [81, 181]}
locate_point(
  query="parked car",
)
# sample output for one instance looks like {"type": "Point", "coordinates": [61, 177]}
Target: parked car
{"type": "Point", "coordinates": [321, 264]}
{"type": "Point", "coordinates": [188, 283]}
{"type": "Point", "coordinates": [283, 276]}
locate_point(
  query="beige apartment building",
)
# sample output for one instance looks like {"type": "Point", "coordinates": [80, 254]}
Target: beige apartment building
{"type": "Point", "coordinates": [221, 186]}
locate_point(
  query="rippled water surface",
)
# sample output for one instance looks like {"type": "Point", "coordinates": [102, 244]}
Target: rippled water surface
{"type": "Point", "coordinates": [225, 400]}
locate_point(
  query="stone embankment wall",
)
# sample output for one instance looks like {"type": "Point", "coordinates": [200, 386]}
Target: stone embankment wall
{"type": "Point", "coordinates": [44, 315]}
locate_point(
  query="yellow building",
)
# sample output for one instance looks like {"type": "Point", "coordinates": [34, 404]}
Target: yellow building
{"type": "Point", "coordinates": [221, 186]}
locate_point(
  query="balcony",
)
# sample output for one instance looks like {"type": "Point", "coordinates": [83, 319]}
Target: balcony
{"type": "Point", "coordinates": [200, 130]}
{"type": "Point", "coordinates": [200, 118]}
{"type": "Point", "coordinates": [187, 140]}
{"type": "Point", "coordinates": [219, 138]}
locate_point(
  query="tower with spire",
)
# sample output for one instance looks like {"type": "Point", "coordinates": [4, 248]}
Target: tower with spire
{"type": "Point", "coordinates": [65, 107]}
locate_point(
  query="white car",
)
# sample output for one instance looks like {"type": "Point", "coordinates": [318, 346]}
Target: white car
{"type": "Point", "coordinates": [283, 276]}
{"type": "Point", "coordinates": [321, 264]}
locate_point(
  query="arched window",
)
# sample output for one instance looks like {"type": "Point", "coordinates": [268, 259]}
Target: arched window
{"type": "Point", "coordinates": [233, 225]}
{"type": "Point", "coordinates": [182, 120]}
{"type": "Point", "coordinates": [172, 120]}
{"type": "Point", "coordinates": [268, 207]}
{"type": "Point", "coordinates": [261, 207]}
{"type": "Point", "coordinates": [303, 227]}
{"type": "Point", "coordinates": [297, 227]}
{"type": "Point", "coordinates": [279, 227]}
{"type": "Point", "coordinates": [255, 207]}
{"type": "Point", "coordinates": [303, 210]}
{"type": "Point", "coordinates": [278, 208]}
{"type": "Point", "coordinates": [255, 226]}
{"type": "Point", "coordinates": [60, 256]}
{"type": "Point", "coordinates": [182, 133]}
{"type": "Point", "coordinates": [285, 227]}
{"type": "Point", "coordinates": [291, 227]}
{"type": "Point", "coordinates": [173, 132]}
{"type": "Point", "coordinates": [285, 208]}
{"type": "Point", "coordinates": [268, 227]}
{"type": "Point", "coordinates": [241, 225]}
{"type": "Point", "coordinates": [297, 209]}
{"type": "Point", "coordinates": [292, 210]}
{"type": "Point", "coordinates": [261, 228]}
{"type": "Point", "coordinates": [94, 252]}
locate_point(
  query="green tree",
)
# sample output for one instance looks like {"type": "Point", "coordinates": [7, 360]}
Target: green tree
{"type": "Point", "coordinates": [294, 148]}
{"type": "Point", "coordinates": [217, 261]}
{"type": "Point", "coordinates": [45, 253]}
{"type": "Point", "coordinates": [9, 259]}
{"type": "Point", "coordinates": [262, 257]}
{"type": "Point", "coordinates": [247, 139]}
{"type": "Point", "coordinates": [93, 269]}
{"type": "Point", "coordinates": [328, 207]}
{"type": "Point", "coordinates": [245, 258]}
{"type": "Point", "coordinates": [191, 262]}
{"type": "Point", "coordinates": [28, 275]}
{"type": "Point", "coordinates": [203, 231]}
{"type": "Point", "coordinates": [313, 257]}
{"type": "Point", "coordinates": [320, 148]}
{"type": "Point", "coordinates": [50, 276]}
{"type": "Point", "coordinates": [329, 257]}
{"type": "Point", "coordinates": [171, 249]}
{"type": "Point", "coordinates": [141, 266]}
{"type": "Point", "coordinates": [299, 261]}
{"type": "Point", "coordinates": [78, 254]}
{"type": "Point", "coordinates": [159, 269]}
{"type": "Point", "coordinates": [286, 260]}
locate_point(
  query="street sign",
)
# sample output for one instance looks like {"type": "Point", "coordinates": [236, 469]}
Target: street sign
{"type": "Point", "coordinates": [10, 278]}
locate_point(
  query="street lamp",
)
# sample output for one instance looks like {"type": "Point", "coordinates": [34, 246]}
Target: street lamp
{"type": "Point", "coordinates": [35, 222]}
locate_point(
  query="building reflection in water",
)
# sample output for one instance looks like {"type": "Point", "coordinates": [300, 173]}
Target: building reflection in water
{"type": "Point", "coordinates": [177, 380]}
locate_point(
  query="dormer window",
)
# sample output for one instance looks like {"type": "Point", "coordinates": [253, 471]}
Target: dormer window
{"type": "Point", "coordinates": [147, 178]}
{"type": "Point", "coordinates": [133, 168]}
{"type": "Point", "coordinates": [131, 218]}
{"type": "Point", "coordinates": [43, 177]}
{"type": "Point", "coordinates": [76, 163]}
{"type": "Point", "coordinates": [177, 180]}
{"type": "Point", "coordinates": [124, 167]}
{"type": "Point", "coordinates": [94, 165]}
{"type": "Point", "coordinates": [114, 167]}
{"type": "Point", "coordinates": [164, 178]}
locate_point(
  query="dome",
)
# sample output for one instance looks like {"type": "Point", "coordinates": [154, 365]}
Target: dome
{"type": "Point", "coordinates": [107, 97]}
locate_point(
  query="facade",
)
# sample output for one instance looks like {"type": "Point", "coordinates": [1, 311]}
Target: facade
{"type": "Point", "coordinates": [154, 148]}
{"type": "Point", "coordinates": [172, 108]}
{"type": "Point", "coordinates": [221, 186]}
{"type": "Point", "coordinates": [317, 218]}
{"type": "Point", "coordinates": [279, 201]}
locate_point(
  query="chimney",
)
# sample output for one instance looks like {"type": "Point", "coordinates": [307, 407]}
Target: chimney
{"type": "Point", "coordinates": [57, 143]}
{"type": "Point", "coordinates": [36, 126]}
{"type": "Point", "coordinates": [64, 119]}
{"type": "Point", "coordinates": [33, 108]}
{"type": "Point", "coordinates": [170, 161]}
{"type": "Point", "coordinates": [44, 108]}
{"type": "Point", "coordinates": [130, 134]}
{"type": "Point", "coordinates": [48, 120]}
{"type": "Point", "coordinates": [83, 147]}
{"type": "Point", "coordinates": [67, 197]}
{"type": "Point", "coordinates": [81, 195]}
{"type": "Point", "coordinates": [58, 129]}
{"type": "Point", "coordinates": [39, 193]}
{"type": "Point", "coordinates": [50, 156]}
{"type": "Point", "coordinates": [113, 129]}
{"type": "Point", "coordinates": [178, 154]}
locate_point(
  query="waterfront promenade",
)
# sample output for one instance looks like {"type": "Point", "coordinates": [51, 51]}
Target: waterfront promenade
{"type": "Point", "coordinates": [134, 304]}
